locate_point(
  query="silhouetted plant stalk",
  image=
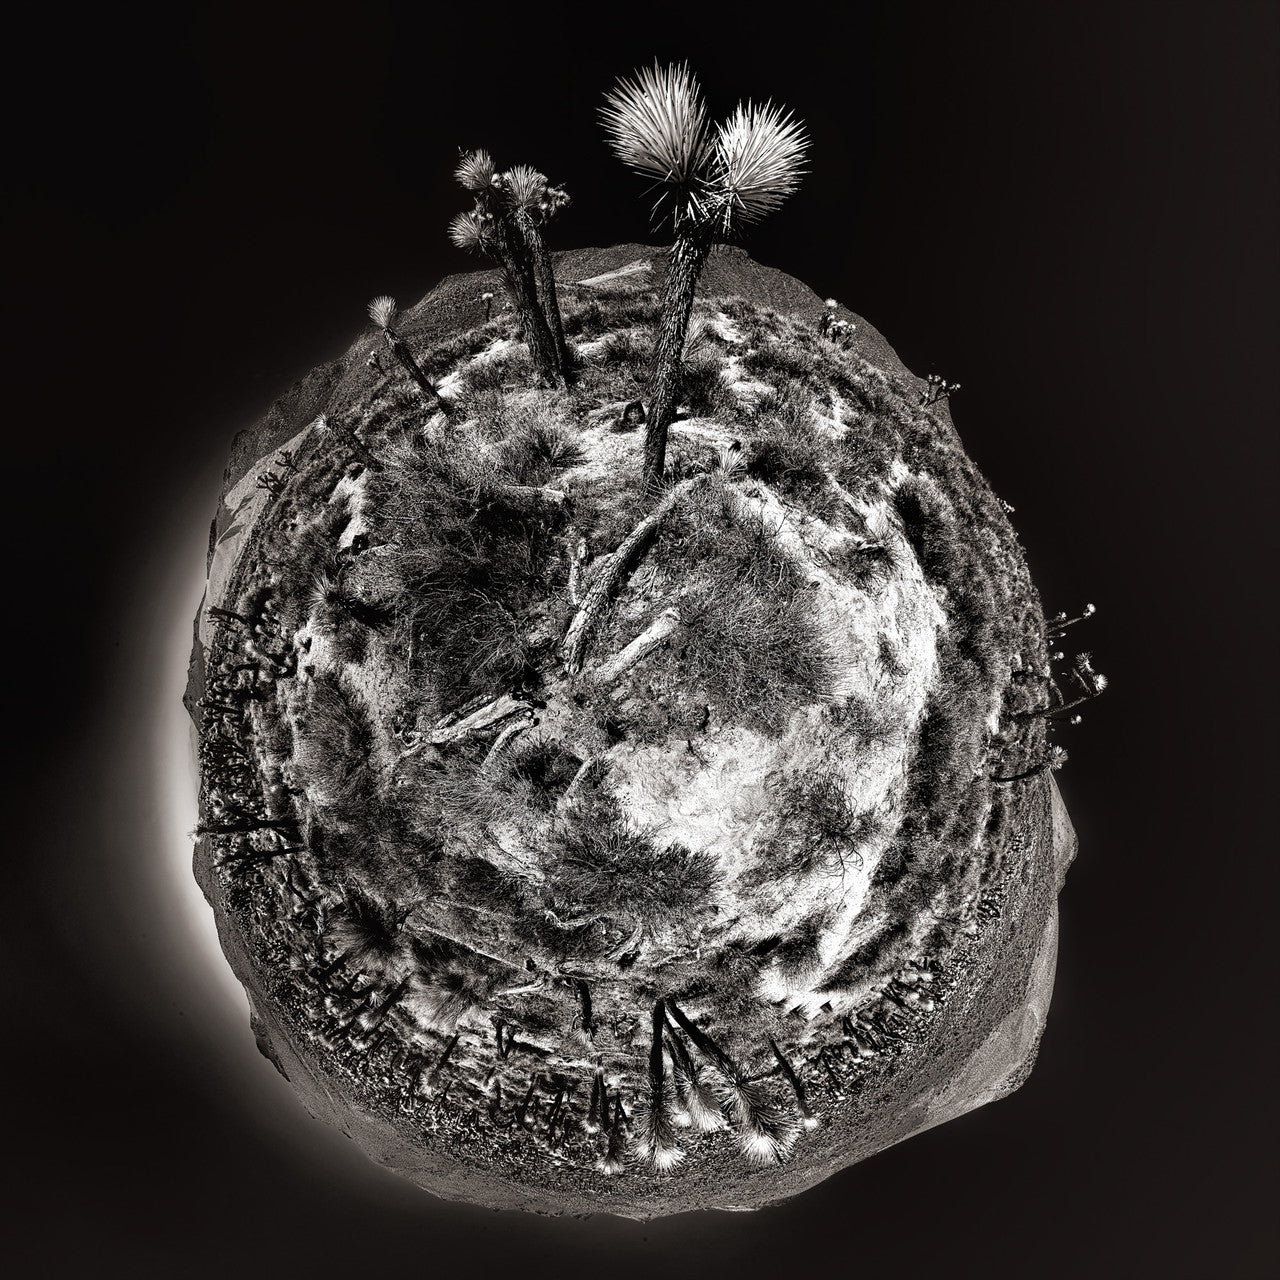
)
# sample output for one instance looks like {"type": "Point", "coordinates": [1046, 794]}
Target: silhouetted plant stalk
{"type": "Point", "coordinates": [614, 1159]}
{"type": "Point", "coordinates": [1059, 623]}
{"type": "Point", "coordinates": [715, 182]}
{"type": "Point", "coordinates": [1053, 760]}
{"type": "Point", "coordinates": [382, 311]}
{"type": "Point", "coordinates": [598, 1109]}
{"type": "Point", "coordinates": [788, 1073]}
{"type": "Point", "coordinates": [765, 1130]}
{"type": "Point", "coordinates": [937, 388]}
{"type": "Point", "coordinates": [656, 1136]}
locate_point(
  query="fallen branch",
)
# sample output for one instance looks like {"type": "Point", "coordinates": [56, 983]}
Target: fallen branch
{"type": "Point", "coordinates": [613, 572]}
{"type": "Point", "coordinates": [485, 717]}
{"type": "Point", "coordinates": [645, 643]}
{"type": "Point", "coordinates": [530, 495]}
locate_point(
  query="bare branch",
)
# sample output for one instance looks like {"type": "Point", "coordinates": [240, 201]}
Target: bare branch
{"type": "Point", "coordinates": [613, 572]}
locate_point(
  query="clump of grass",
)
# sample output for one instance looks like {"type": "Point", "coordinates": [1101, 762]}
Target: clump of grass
{"type": "Point", "coordinates": [446, 983]}
{"type": "Point", "coordinates": [367, 936]}
{"type": "Point", "coordinates": [868, 565]}
{"type": "Point", "coordinates": [602, 308]}
{"type": "Point", "coordinates": [467, 564]}
{"type": "Point", "coordinates": [817, 830]}
{"type": "Point", "coordinates": [334, 741]}
{"type": "Point", "coordinates": [599, 867]}
{"type": "Point", "coordinates": [704, 390]}
{"type": "Point", "coordinates": [788, 453]}
{"type": "Point", "coordinates": [536, 445]}
{"type": "Point", "coordinates": [632, 347]}
{"type": "Point", "coordinates": [780, 362]}
{"type": "Point", "coordinates": [492, 372]}
{"type": "Point", "coordinates": [888, 948]}
{"type": "Point", "coordinates": [749, 637]}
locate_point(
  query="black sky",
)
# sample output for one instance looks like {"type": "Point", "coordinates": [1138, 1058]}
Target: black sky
{"type": "Point", "coordinates": [1069, 209]}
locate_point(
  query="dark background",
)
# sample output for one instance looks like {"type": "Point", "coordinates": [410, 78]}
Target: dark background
{"type": "Point", "coordinates": [1069, 209]}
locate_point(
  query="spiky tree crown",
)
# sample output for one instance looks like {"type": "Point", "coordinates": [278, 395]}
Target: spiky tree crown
{"type": "Point", "coordinates": [469, 232]}
{"type": "Point", "coordinates": [477, 172]}
{"type": "Point", "coordinates": [657, 125]}
{"type": "Point", "coordinates": [524, 186]}
{"type": "Point", "coordinates": [382, 311]}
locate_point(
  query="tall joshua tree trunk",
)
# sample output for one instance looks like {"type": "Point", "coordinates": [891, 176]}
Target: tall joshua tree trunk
{"type": "Point", "coordinates": [514, 255]}
{"type": "Point", "coordinates": [382, 311]}
{"type": "Point", "coordinates": [400, 350]}
{"type": "Point", "coordinates": [546, 276]}
{"type": "Point", "coordinates": [688, 257]}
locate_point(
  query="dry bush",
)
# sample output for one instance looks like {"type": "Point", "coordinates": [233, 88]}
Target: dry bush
{"type": "Point", "coordinates": [817, 830]}
{"type": "Point", "coordinates": [334, 742]}
{"type": "Point", "coordinates": [788, 454]}
{"type": "Point", "coordinates": [467, 563]}
{"type": "Point", "coordinates": [598, 867]}
{"type": "Point", "coordinates": [749, 637]}
{"type": "Point", "coordinates": [869, 566]}
{"type": "Point", "coordinates": [368, 937]}
{"type": "Point", "coordinates": [602, 309]}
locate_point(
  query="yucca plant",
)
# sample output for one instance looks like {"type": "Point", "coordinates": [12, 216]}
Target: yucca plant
{"type": "Point", "coordinates": [766, 1131]}
{"type": "Point", "coordinates": [655, 1117]}
{"type": "Point", "coordinates": [532, 203]}
{"type": "Point", "coordinates": [714, 180]}
{"type": "Point", "coordinates": [489, 228]}
{"type": "Point", "coordinates": [382, 311]}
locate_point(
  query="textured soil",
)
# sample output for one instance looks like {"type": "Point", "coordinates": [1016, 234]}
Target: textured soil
{"type": "Point", "coordinates": [977, 1045]}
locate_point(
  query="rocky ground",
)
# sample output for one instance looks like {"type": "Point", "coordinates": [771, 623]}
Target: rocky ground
{"type": "Point", "coordinates": [729, 895]}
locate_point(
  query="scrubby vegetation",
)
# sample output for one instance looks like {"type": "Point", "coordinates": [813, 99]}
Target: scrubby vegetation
{"type": "Point", "coordinates": [675, 760]}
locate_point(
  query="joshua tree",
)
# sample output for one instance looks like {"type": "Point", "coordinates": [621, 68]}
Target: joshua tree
{"type": "Point", "coordinates": [532, 203]}
{"type": "Point", "coordinates": [490, 228]}
{"type": "Point", "coordinates": [382, 311]}
{"type": "Point", "coordinates": [937, 388]}
{"type": "Point", "coordinates": [718, 180]}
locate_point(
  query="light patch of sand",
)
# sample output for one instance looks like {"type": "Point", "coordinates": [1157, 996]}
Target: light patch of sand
{"type": "Point", "coordinates": [354, 492]}
{"type": "Point", "coordinates": [638, 267]}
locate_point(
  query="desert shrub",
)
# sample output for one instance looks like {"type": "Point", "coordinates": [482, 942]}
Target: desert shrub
{"type": "Point", "coordinates": [548, 768]}
{"type": "Point", "coordinates": [749, 639]}
{"type": "Point", "coordinates": [443, 355]}
{"type": "Point", "coordinates": [534, 442]}
{"type": "Point", "coordinates": [867, 565]}
{"type": "Point", "coordinates": [626, 347]}
{"type": "Point", "coordinates": [366, 935]}
{"type": "Point", "coordinates": [466, 565]}
{"type": "Point", "coordinates": [886, 949]}
{"type": "Point", "coordinates": [788, 454]}
{"type": "Point", "coordinates": [446, 982]}
{"type": "Point", "coordinates": [863, 456]}
{"type": "Point", "coordinates": [780, 361]}
{"type": "Point", "coordinates": [928, 527]}
{"type": "Point", "coordinates": [703, 388]}
{"type": "Point", "coordinates": [597, 866]}
{"type": "Point", "coordinates": [817, 829]}
{"type": "Point", "coordinates": [491, 372]}
{"type": "Point", "coordinates": [334, 741]}
{"type": "Point", "coordinates": [950, 561]}
{"type": "Point", "coordinates": [603, 309]}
